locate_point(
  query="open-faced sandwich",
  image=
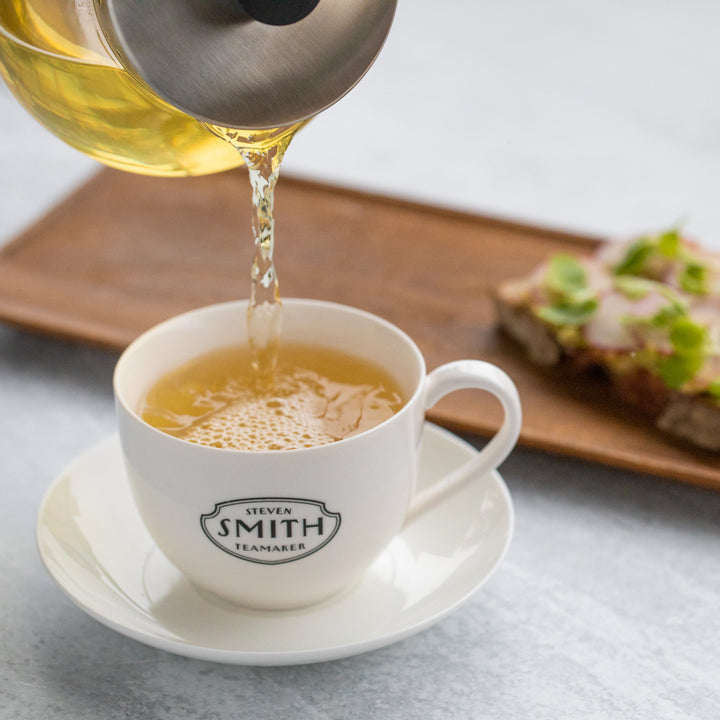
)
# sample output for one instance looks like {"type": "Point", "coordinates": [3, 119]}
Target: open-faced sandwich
{"type": "Point", "coordinates": [645, 311]}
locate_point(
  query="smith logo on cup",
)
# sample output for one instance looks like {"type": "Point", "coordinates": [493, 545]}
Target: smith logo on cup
{"type": "Point", "coordinates": [270, 531]}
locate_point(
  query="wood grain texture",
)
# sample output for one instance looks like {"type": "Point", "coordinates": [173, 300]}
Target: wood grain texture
{"type": "Point", "coordinates": [125, 252]}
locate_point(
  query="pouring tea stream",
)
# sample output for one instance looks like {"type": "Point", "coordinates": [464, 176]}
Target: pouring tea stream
{"type": "Point", "coordinates": [249, 66]}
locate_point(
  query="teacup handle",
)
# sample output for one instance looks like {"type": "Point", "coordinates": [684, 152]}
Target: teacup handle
{"type": "Point", "coordinates": [462, 375]}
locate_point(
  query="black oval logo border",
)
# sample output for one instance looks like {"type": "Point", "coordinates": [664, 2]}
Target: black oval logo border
{"type": "Point", "coordinates": [317, 503]}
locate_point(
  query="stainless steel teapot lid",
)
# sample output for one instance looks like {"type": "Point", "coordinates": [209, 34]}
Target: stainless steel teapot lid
{"type": "Point", "coordinates": [214, 61]}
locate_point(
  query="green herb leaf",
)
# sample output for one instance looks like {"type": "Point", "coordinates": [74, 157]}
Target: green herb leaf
{"type": "Point", "coordinates": [568, 313]}
{"type": "Point", "coordinates": [667, 315]}
{"type": "Point", "coordinates": [635, 287]}
{"type": "Point", "coordinates": [669, 244]}
{"type": "Point", "coordinates": [693, 278]}
{"type": "Point", "coordinates": [635, 257]}
{"type": "Point", "coordinates": [676, 370]}
{"type": "Point", "coordinates": [687, 337]}
{"type": "Point", "coordinates": [690, 343]}
{"type": "Point", "coordinates": [565, 275]}
{"type": "Point", "coordinates": [714, 387]}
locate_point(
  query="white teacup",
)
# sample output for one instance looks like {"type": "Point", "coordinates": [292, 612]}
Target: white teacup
{"type": "Point", "coordinates": [286, 528]}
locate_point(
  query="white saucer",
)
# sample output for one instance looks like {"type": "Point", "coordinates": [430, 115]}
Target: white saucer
{"type": "Point", "coordinates": [94, 545]}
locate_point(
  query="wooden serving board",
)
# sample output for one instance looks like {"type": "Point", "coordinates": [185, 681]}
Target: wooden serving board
{"type": "Point", "coordinates": [125, 252]}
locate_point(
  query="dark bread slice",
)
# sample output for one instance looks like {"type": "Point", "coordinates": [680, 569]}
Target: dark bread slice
{"type": "Point", "coordinates": [690, 417]}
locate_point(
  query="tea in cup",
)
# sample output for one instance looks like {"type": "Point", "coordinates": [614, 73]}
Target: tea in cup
{"type": "Point", "coordinates": [279, 495]}
{"type": "Point", "coordinates": [307, 396]}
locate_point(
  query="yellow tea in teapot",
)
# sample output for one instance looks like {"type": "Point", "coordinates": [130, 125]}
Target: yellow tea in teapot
{"type": "Point", "coordinates": [58, 64]}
